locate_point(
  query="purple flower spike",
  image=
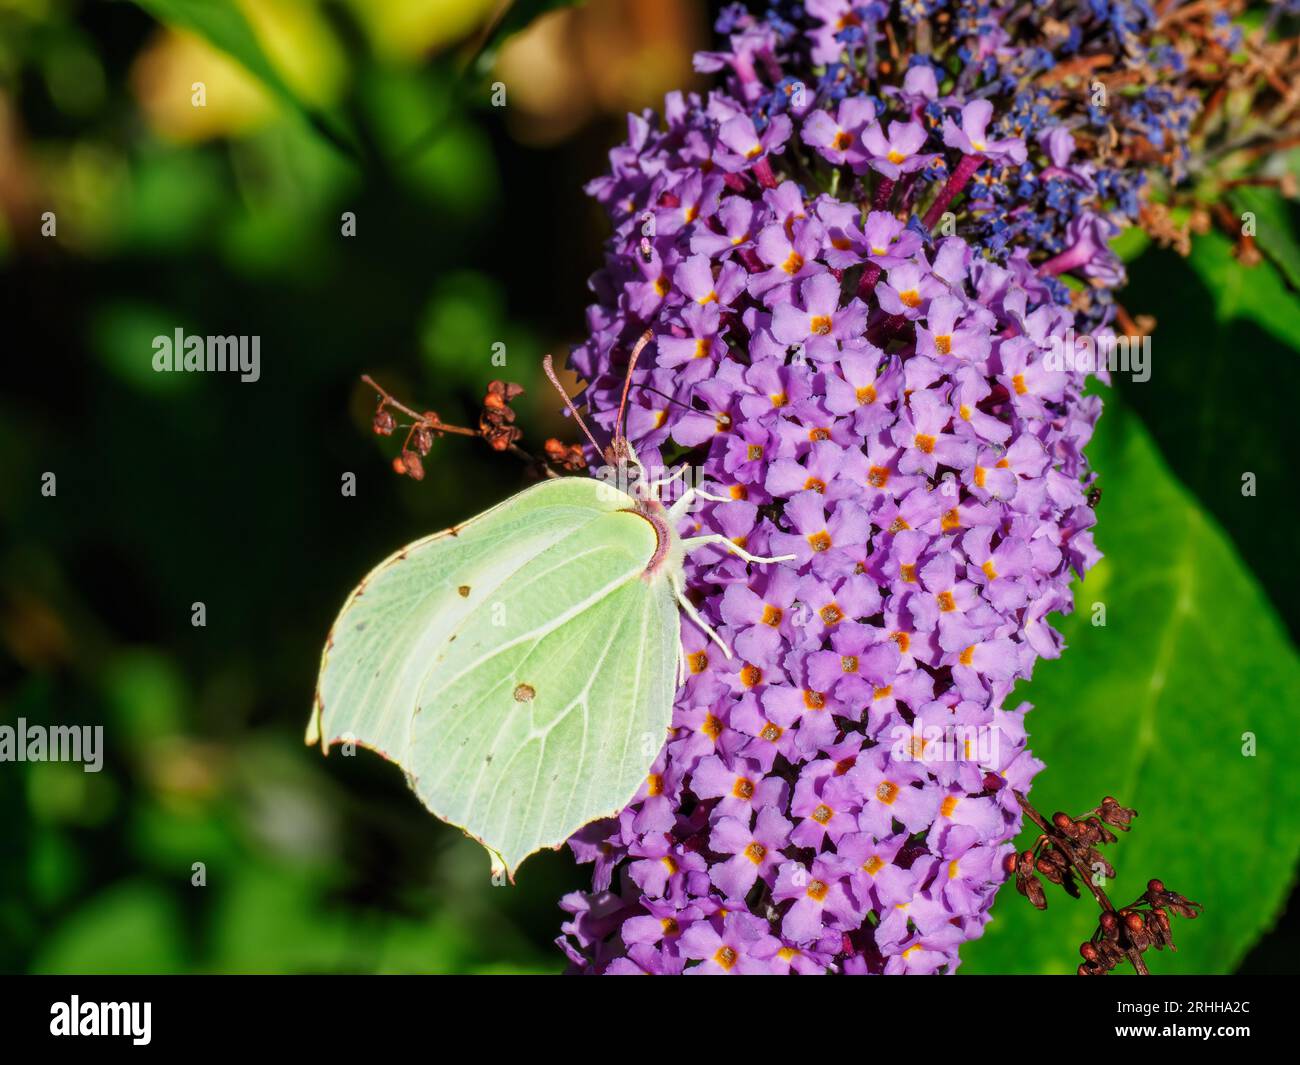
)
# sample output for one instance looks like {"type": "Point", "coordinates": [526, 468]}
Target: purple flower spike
{"type": "Point", "coordinates": [865, 387]}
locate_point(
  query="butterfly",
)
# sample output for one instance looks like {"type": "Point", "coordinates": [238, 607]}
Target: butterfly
{"type": "Point", "coordinates": [521, 667]}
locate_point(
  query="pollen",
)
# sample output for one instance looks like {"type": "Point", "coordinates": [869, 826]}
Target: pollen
{"type": "Point", "coordinates": [754, 152]}
{"type": "Point", "coordinates": [866, 394]}
{"type": "Point", "coordinates": [698, 662]}
{"type": "Point", "coordinates": [779, 399]}
{"type": "Point", "coordinates": [819, 434]}
{"type": "Point", "coordinates": [967, 656]}
{"type": "Point", "coordinates": [953, 870]}
{"type": "Point", "coordinates": [831, 614]}
{"type": "Point", "coordinates": [670, 926]}
{"type": "Point", "coordinates": [907, 571]}
{"type": "Point", "coordinates": [711, 727]}
{"type": "Point", "coordinates": [692, 212]}
{"type": "Point", "coordinates": [910, 298]}
{"type": "Point", "coordinates": [751, 676]}
{"type": "Point", "coordinates": [898, 525]}
{"type": "Point", "coordinates": [1019, 382]}
{"type": "Point", "coordinates": [895, 156]}
{"type": "Point", "coordinates": [754, 452]}
{"type": "Point", "coordinates": [964, 412]}
{"type": "Point", "coordinates": [817, 890]}
{"type": "Point", "coordinates": [925, 442]}
{"type": "Point", "coordinates": [903, 640]}
{"type": "Point", "coordinates": [872, 865]}
{"type": "Point", "coordinates": [712, 297]}
{"type": "Point", "coordinates": [725, 956]}
{"type": "Point", "coordinates": [946, 602]}
{"type": "Point", "coordinates": [820, 325]}
{"type": "Point", "coordinates": [943, 344]}
{"type": "Point", "coordinates": [989, 571]}
{"type": "Point", "coordinates": [981, 475]}
{"type": "Point", "coordinates": [815, 484]}
{"type": "Point", "coordinates": [771, 732]}
{"type": "Point", "coordinates": [948, 806]}
{"type": "Point", "coordinates": [743, 788]}
{"type": "Point", "coordinates": [669, 864]}
{"type": "Point", "coordinates": [842, 142]}
{"type": "Point", "coordinates": [793, 264]}
{"type": "Point", "coordinates": [878, 476]}
{"type": "Point", "coordinates": [887, 792]}
{"type": "Point", "coordinates": [849, 663]}
{"type": "Point", "coordinates": [654, 784]}
{"type": "Point", "coordinates": [813, 700]}
{"type": "Point", "coordinates": [822, 814]}
{"type": "Point", "coordinates": [916, 747]}
{"type": "Point", "coordinates": [662, 285]}
{"type": "Point", "coordinates": [661, 416]}
{"type": "Point", "coordinates": [841, 243]}
{"type": "Point", "coordinates": [772, 615]}
{"type": "Point", "coordinates": [788, 953]}
{"type": "Point", "coordinates": [701, 348]}
{"type": "Point", "coordinates": [820, 541]}
{"type": "Point", "coordinates": [739, 491]}
{"type": "Point", "coordinates": [881, 693]}
{"type": "Point", "coordinates": [950, 520]}
{"type": "Point", "coordinates": [756, 852]}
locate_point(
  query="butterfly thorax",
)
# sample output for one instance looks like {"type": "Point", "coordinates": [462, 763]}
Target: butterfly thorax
{"type": "Point", "coordinates": [626, 475]}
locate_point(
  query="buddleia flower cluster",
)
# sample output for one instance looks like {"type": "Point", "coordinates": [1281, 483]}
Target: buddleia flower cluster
{"type": "Point", "coordinates": [855, 257]}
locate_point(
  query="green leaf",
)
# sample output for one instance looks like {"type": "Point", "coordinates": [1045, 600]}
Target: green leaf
{"type": "Point", "coordinates": [222, 24]}
{"type": "Point", "coordinates": [1256, 293]}
{"type": "Point", "coordinates": [1154, 708]}
{"type": "Point", "coordinates": [1274, 232]}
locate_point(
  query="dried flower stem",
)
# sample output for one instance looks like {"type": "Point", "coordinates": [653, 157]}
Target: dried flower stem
{"type": "Point", "coordinates": [1059, 840]}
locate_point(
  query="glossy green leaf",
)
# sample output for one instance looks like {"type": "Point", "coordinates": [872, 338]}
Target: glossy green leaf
{"type": "Point", "coordinates": [1256, 294]}
{"type": "Point", "coordinates": [1156, 708]}
{"type": "Point", "coordinates": [1273, 229]}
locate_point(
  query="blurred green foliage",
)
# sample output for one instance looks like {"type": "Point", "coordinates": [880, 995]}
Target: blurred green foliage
{"type": "Point", "coordinates": [179, 488]}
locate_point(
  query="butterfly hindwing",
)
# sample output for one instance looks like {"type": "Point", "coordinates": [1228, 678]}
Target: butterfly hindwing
{"type": "Point", "coordinates": [518, 667]}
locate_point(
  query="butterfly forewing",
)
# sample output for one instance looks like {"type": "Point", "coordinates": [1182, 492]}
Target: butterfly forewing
{"type": "Point", "coordinates": [519, 668]}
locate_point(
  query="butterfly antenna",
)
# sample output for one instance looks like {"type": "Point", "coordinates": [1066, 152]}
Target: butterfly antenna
{"type": "Point", "coordinates": [642, 341]}
{"type": "Point", "coordinates": [550, 373]}
{"type": "Point", "coordinates": [670, 399]}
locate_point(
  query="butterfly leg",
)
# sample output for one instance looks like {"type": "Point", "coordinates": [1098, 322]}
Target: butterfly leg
{"type": "Point", "coordinates": [692, 542]}
{"type": "Point", "coordinates": [682, 470]}
{"type": "Point", "coordinates": [679, 508]}
{"type": "Point", "coordinates": [694, 615]}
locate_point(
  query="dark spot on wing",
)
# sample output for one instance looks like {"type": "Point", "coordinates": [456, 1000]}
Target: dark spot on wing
{"type": "Point", "coordinates": [463, 590]}
{"type": "Point", "coordinates": [361, 625]}
{"type": "Point", "coordinates": [524, 693]}
{"type": "Point", "coordinates": [487, 760]}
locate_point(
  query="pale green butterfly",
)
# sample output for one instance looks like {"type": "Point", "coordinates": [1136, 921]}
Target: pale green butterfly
{"type": "Point", "coordinates": [520, 667]}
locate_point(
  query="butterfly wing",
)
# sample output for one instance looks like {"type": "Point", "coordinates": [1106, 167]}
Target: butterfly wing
{"type": "Point", "coordinates": [518, 667]}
